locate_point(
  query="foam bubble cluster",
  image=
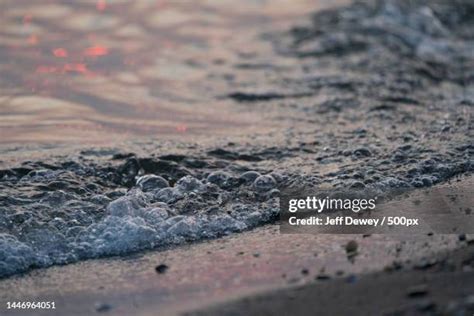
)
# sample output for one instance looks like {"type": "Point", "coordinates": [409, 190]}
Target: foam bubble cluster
{"type": "Point", "coordinates": [149, 215]}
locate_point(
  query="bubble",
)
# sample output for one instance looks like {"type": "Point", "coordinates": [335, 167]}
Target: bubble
{"type": "Point", "coordinates": [249, 176]}
{"type": "Point", "coordinates": [264, 183]}
{"type": "Point", "coordinates": [151, 182]}
{"type": "Point", "coordinates": [189, 184]}
{"type": "Point", "coordinates": [219, 178]}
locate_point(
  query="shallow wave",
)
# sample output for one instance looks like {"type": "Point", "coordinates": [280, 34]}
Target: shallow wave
{"type": "Point", "coordinates": [135, 221]}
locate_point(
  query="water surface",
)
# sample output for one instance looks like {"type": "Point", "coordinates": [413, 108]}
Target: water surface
{"type": "Point", "coordinates": [95, 71]}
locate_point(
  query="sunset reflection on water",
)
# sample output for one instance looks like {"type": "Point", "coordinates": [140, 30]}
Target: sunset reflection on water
{"type": "Point", "coordinates": [92, 71]}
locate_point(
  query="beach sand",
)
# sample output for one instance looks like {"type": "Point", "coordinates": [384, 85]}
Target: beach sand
{"type": "Point", "coordinates": [310, 272]}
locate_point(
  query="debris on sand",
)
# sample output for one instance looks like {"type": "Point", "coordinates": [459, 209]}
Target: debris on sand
{"type": "Point", "coordinates": [352, 250]}
{"type": "Point", "coordinates": [417, 291]}
{"type": "Point", "coordinates": [161, 268]}
{"type": "Point", "coordinates": [103, 307]}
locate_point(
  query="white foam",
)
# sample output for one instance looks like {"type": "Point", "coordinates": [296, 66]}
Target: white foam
{"type": "Point", "coordinates": [131, 223]}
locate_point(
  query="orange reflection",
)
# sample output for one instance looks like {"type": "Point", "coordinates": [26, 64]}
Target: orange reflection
{"type": "Point", "coordinates": [81, 68]}
{"type": "Point", "coordinates": [96, 51]}
{"type": "Point", "coordinates": [33, 40]}
{"type": "Point", "coordinates": [60, 52]}
{"type": "Point", "coordinates": [101, 5]}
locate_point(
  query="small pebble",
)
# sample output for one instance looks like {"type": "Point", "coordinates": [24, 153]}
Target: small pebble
{"type": "Point", "coordinates": [322, 277]}
{"type": "Point", "coordinates": [352, 247]}
{"type": "Point", "coordinates": [417, 291]}
{"type": "Point", "coordinates": [103, 307]}
{"type": "Point", "coordinates": [162, 268]}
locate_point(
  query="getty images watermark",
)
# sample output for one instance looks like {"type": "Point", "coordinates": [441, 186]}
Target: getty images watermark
{"type": "Point", "coordinates": [317, 204]}
{"type": "Point", "coordinates": [431, 211]}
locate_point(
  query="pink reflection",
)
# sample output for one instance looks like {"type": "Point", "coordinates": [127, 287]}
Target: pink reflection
{"type": "Point", "coordinates": [101, 5]}
{"type": "Point", "coordinates": [96, 51]}
{"type": "Point", "coordinates": [60, 52]}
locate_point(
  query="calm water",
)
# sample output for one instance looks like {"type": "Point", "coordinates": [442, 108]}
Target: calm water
{"type": "Point", "coordinates": [101, 70]}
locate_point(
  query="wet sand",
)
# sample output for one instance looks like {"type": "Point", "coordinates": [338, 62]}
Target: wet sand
{"type": "Point", "coordinates": [446, 288]}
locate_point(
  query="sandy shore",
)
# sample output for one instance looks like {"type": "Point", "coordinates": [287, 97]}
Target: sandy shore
{"type": "Point", "coordinates": [211, 272]}
{"type": "Point", "coordinates": [445, 288]}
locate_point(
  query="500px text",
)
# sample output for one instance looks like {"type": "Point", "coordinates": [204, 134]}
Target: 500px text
{"type": "Point", "coordinates": [350, 221]}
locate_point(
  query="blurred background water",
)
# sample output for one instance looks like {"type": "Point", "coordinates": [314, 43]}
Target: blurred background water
{"type": "Point", "coordinates": [93, 71]}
